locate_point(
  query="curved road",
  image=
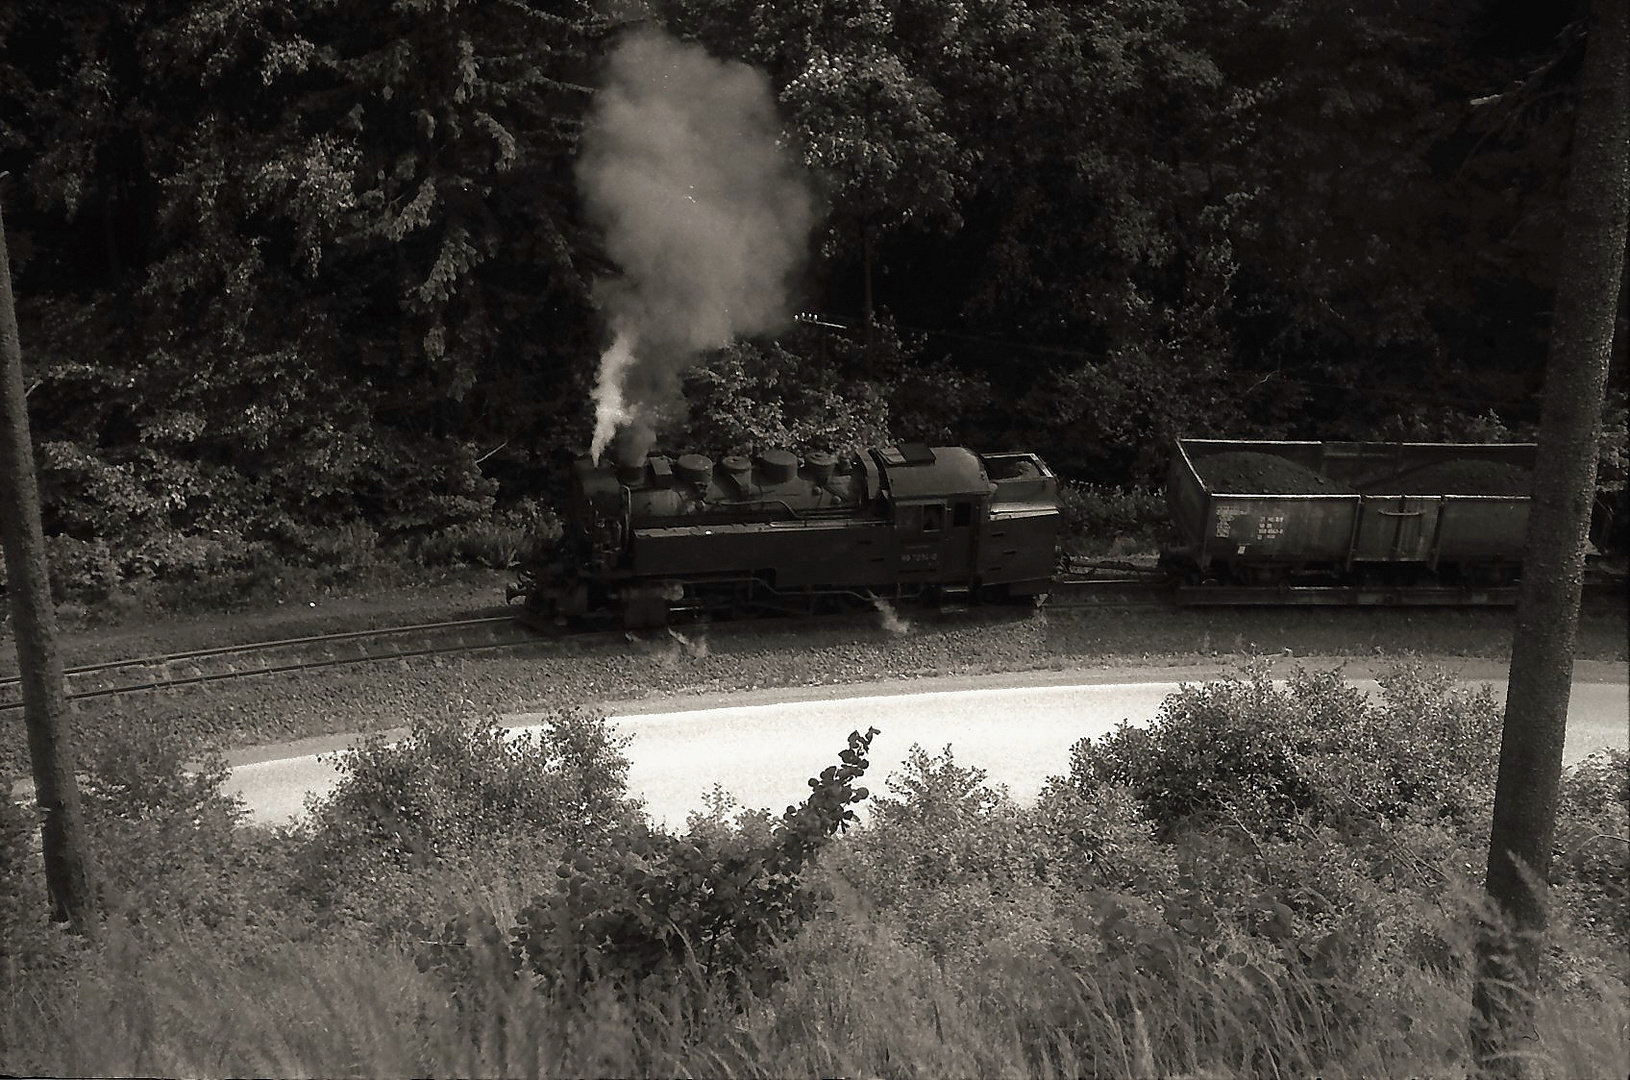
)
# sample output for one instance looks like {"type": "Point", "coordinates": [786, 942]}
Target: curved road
{"type": "Point", "coordinates": [762, 746]}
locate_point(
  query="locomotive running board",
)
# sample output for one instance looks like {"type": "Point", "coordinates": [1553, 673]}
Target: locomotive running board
{"type": "Point", "coordinates": [1339, 596]}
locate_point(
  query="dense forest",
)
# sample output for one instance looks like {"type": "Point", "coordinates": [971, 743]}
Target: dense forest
{"type": "Point", "coordinates": [299, 278]}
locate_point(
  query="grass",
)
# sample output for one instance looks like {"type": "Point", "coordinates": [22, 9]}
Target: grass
{"type": "Point", "coordinates": [861, 1003]}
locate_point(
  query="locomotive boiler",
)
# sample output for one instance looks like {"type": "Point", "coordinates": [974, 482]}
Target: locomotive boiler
{"type": "Point", "coordinates": [668, 537]}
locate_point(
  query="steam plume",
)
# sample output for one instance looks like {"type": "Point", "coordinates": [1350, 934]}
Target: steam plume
{"type": "Point", "coordinates": [706, 214]}
{"type": "Point", "coordinates": [892, 622]}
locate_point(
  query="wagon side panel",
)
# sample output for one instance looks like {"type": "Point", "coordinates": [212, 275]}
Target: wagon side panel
{"type": "Point", "coordinates": [1482, 528]}
{"type": "Point", "coordinates": [1281, 530]}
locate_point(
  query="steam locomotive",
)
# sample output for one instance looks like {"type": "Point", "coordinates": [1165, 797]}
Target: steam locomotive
{"type": "Point", "coordinates": [666, 537]}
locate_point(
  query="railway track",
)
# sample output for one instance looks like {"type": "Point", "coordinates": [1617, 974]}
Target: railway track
{"type": "Point", "coordinates": [1089, 584]}
{"type": "Point", "coordinates": [1108, 588]}
{"type": "Point", "coordinates": [1096, 592]}
{"type": "Point", "coordinates": [225, 662]}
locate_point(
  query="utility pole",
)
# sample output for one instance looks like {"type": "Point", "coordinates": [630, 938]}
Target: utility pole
{"type": "Point", "coordinates": [28, 581]}
{"type": "Point", "coordinates": [1590, 269]}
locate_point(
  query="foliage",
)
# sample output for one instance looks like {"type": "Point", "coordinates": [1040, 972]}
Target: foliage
{"type": "Point", "coordinates": [1289, 868]}
{"type": "Point", "coordinates": [496, 543]}
{"type": "Point", "coordinates": [326, 232]}
{"type": "Point", "coordinates": [966, 933]}
{"type": "Point", "coordinates": [746, 398]}
{"type": "Point", "coordinates": [451, 794]}
{"type": "Point", "coordinates": [937, 403]}
{"type": "Point", "coordinates": [649, 906]}
{"type": "Point", "coordinates": [1590, 872]}
{"type": "Point", "coordinates": [165, 841]}
{"type": "Point", "coordinates": [1096, 517]}
{"type": "Point", "coordinates": [293, 266]}
{"type": "Point", "coordinates": [1314, 746]}
{"type": "Point", "coordinates": [970, 872]}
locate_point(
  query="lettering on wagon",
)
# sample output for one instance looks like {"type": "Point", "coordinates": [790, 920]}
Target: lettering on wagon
{"type": "Point", "coordinates": [1226, 515]}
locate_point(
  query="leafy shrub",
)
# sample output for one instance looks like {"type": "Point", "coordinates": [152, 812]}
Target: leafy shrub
{"type": "Point", "coordinates": [497, 543]}
{"type": "Point", "coordinates": [179, 462]}
{"type": "Point", "coordinates": [1590, 870]}
{"type": "Point", "coordinates": [1096, 517]}
{"type": "Point", "coordinates": [938, 404]}
{"type": "Point", "coordinates": [452, 791]}
{"type": "Point", "coordinates": [1261, 880]}
{"type": "Point", "coordinates": [481, 543]}
{"type": "Point", "coordinates": [350, 547]}
{"type": "Point", "coordinates": [1211, 746]}
{"type": "Point", "coordinates": [723, 820]}
{"type": "Point", "coordinates": [81, 568]}
{"type": "Point", "coordinates": [648, 907]}
{"type": "Point", "coordinates": [166, 845]}
{"type": "Point", "coordinates": [952, 856]}
{"type": "Point", "coordinates": [1113, 420]}
{"type": "Point", "coordinates": [1315, 745]}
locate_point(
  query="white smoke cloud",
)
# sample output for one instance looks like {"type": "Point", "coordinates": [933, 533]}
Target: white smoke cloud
{"type": "Point", "coordinates": [704, 211]}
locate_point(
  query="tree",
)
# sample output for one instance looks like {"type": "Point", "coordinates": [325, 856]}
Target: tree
{"type": "Point", "coordinates": [45, 709]}
{"type": "Point", "coordinates": [862, 87]}
{"type": "Point", "coordinates": [1596, 226]}
{"type": "Point", "coordinates": [310, 259]}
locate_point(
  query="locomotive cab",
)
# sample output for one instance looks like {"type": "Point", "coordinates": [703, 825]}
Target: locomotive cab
{"type": "Point", "coordinates": [935, 496]}
{"type": "Point", "coordinates": [1023, 527]}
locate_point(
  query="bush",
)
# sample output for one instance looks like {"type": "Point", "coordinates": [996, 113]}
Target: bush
{"type": "Point", "coordinates": [495, 545]}
{"type": "Point", "coordinates": [1314, 745]}
{"type": "Point", "coordinates": [165, 842]}
{"type": "Point", "coordinates": [454, 794]}
{"type": "Point", "coordinates": [648, 911]}
{"type": "Point", "coordinates": [746, 398]}
{"type": "Point", "coordinates": [936, 403]}
{"type": "Point", "coordinates": [951, 856]}
{"type": "Point", "coordinates": [1268, 878]}
{"type": "Point", "coordinates": [1100, 520]}
{"type": "Point", "coordinates": [1590, 870]}
{"type": "Point", "coordinates": [81, 569]}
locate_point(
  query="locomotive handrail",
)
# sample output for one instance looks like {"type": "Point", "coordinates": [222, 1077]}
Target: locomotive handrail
{"type": "Point", "coordinates": [784, 505]}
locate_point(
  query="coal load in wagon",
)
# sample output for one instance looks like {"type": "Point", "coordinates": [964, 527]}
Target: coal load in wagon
{"type": "Point", "coordinates": [1462, 476]}
{"type": "Point", "coordinates": [1247, 472]}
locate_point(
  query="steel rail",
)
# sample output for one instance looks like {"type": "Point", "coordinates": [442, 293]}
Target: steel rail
{"type": "Point", "coordinates": [1087, 592]}
{"type": "Point", "coordinates": [257, 646]}
{"type": "Point", "coordinates": [250, 648]}
{"type": "Point", "coordinates": [276, 669]}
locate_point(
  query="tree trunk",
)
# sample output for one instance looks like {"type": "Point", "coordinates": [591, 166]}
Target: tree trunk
{"type": "Point", "coordinates": [1588, 277]}
{"type": "Point", "coordinates": [45, 709]}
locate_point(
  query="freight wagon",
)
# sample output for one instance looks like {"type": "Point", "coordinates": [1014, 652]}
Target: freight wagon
{"type": "Point", "coordinates": [1265, 512]}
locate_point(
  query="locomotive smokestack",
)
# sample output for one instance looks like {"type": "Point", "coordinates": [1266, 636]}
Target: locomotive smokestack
{"type": "Point", "coordinates": [631, 473]}
{"type": "Point", "coordinates": [632, 442]}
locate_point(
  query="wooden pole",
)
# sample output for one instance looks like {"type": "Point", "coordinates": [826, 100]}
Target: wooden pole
{"type": "Point", "coordinates": [33, 619]}
{"type": "Point", "coordinates": [1590, 269]}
